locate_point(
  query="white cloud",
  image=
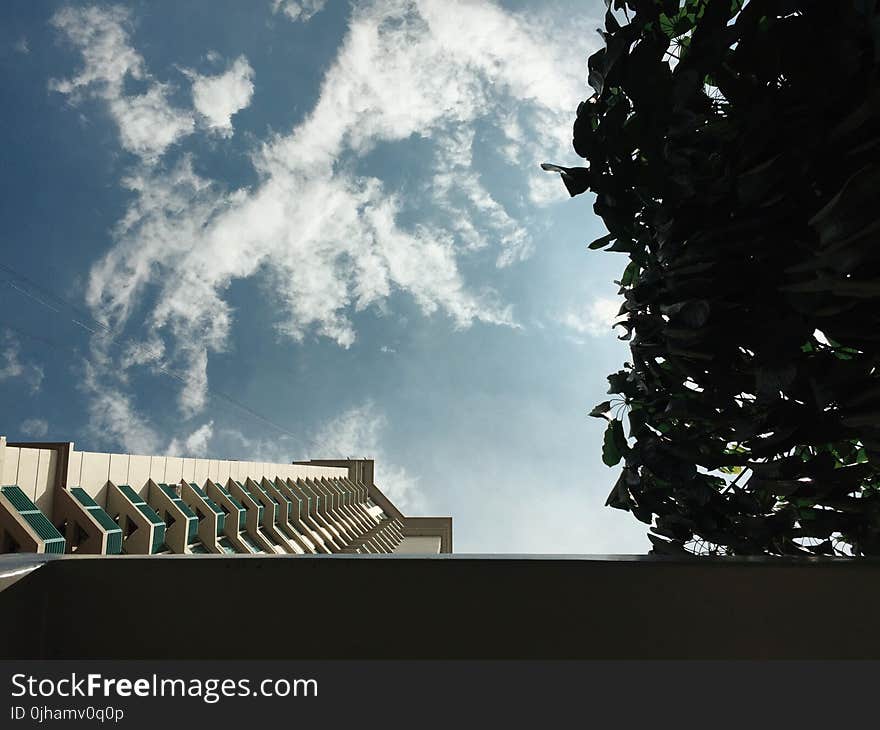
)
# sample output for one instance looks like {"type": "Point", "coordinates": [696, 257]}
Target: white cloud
{"type": "Point", "coordinates": [148, 123]}
{"type": "Point", "coordinates": [194, 444]}
{"type": "Point", "coordinates": [11, 365]}
{"type": "Point", "coordinates": [218, 98]}
{"type": "Point", "coordinates": [595, 320]}
{"type": "Point", "coordinates": [325, 240]}
{"type": "Point", "coordinates": [21, 46]}
{"type": "Point", "coordinates": [457, 187]}
{"type": "Point", "coordinates": [35, 427]}
{"type": "Point", "coordinates": [357, 433]}
{"type": "Point", "coordinates": [279, 448]}
{"type": "Point", "coordinates": [113, 418]}
{"type": "Point", "coordinates": [298, 10]}
{"type": "Point", "coordinates": [116, 422]}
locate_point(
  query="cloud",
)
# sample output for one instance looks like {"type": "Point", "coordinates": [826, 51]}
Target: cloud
{"type": "Point", "coordinates": [195, 444]}
{"type": "Point", "coordinates": [596, 320]}
{"type": "Point", "coordinates": [298, 10]}
{"type": "Point", "coordinates": [457, 187]}
{"type": "Point", "coordinates": [148, 124]}
{"type": "Point", "coordinates": [326, 239]}
{"type": "Point", "coordinates": [21, 46]}
{"type": "Point", "coordinates": [115, 422]}
{"type": "Point", "coordinates": [11, 365]}
{"type": "Point", "coordinates": [218, 98]}
{"type": "Point", "coordinates": [35, 427]}
{"type": "Point", "coordinates": [113, 419]}
{"type": "Point", "coordinates": [357, 433]}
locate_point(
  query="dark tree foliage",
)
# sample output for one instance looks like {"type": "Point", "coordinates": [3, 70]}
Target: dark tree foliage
{"type": "Point", "coordinates": [734, 150]}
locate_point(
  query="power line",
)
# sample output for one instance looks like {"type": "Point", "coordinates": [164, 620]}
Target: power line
{"type": "Point", "coordinates": [101, 326]}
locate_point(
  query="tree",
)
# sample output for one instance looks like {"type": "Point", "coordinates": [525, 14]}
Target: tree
{"type": "Point", "coordinates": [734, 151]}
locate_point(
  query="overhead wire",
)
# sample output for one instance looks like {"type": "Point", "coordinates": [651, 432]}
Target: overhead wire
{"type": "Point", "coordinates": [113, 336]}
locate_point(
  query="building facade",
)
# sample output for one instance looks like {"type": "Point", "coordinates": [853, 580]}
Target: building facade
{"type": "Point", "coordinates": [55, 499]}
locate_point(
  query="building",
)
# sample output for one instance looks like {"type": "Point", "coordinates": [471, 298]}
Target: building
{"type": "Point", "coordinates": [55, 499]}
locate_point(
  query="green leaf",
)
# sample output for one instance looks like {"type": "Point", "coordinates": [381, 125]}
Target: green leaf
{"type": "Point", "coordinates": [602, 241]}
{"type": "Point", "coordinates": [600, 410]}
{"type": "Point", "coordinates": [629, 274]}
{"type": "Point", "coordinates": [619, 498]}
{"type": "Point", "coordinates": [615, 443]}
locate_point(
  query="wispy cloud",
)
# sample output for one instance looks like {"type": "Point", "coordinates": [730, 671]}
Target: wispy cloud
{"type": "Point", "coordinates": [218, 98]}
{"type": "Point", "coordinates": [35, 427]}
{"type": "Point", "coordinates": [405, 69]}
{"type": "Point", "coordinates": [357, 433]}
{"type": "Point", "coordinates": [595, 320]}
{"type": "Point", "coordinates": [114, 421]}
{"type": "Point", "coordinates": [147, 122]}
{"type": "Point", "coordinates": [298, 10]}
{"type": "Point", "coordinates": [456, 187]}
{"type": "Point", "coordinates": [12, 365]}
{"type": "Point", "coordinates": [193, 444]}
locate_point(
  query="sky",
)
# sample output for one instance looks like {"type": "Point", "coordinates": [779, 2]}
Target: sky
{"type": "Point", "coordinates": [290, 229]}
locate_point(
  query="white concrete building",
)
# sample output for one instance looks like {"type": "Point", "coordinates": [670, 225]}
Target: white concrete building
{"type": "Point", "coordinates": [55, 499]}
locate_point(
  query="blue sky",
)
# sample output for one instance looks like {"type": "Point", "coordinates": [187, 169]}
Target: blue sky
{"type": "Point", "coordinates": [332, 214]}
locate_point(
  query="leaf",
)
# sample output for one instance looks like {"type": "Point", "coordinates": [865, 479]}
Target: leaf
{"type": "Point", "coordinates": [614, 445]}
{"type": "Point", "coordinates": [601, 410]}
{"type": "Point", "coordinates": [851, 209]}
{"type": "Point", "coordinates": [577, 180]}
{"type": "Point", "coordinates": [694, 314]}
{"type": "Point", "coordinates": [602, 241]}
{"type": "Point", "coordinates": [619, 498]}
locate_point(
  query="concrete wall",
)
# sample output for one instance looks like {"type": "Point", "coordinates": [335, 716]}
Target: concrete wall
{"type": "Point", "coordinates": [450, 607]}
{"type": "Point", "coordinates": [31, 469]}
{"type": "Point", "coordinates": [428, 545]}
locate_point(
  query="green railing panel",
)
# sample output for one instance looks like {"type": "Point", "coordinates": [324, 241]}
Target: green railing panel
{"type": "Point", "coordinates": [114, 533]}
{"type": "Point", "coordinates": [232, 499]}
{"type": "Point", "coordinates": [40, 524]}
{"type": "Point", "coordinates": [245, 538]}
{"type": "Point", "coordinates": [45, 529]}
{"type": "Point", "coordinates": [142, 506]}
{"type": "Point", "coordinates": [82, 496]}
{"type": "Point", "coordinates": [175, 497]}
{"type": "Point", "coordinates": [103, 519]}
{"type": "Point", "coordinates": [192, 530]}
{"type": "Point", "coordinates": [215, 508]}
{"type": "Point", "coordinates": [114, 542]}
{"type": "Point", "coordinates": [130, 494]}
{"type": "Point", "coordinates": [19, 499]}
{"type": "Point", "coordinates": [198, 490]}
{"type": "Point", "coordinates": [265, 491]}
{"type": "Point", "coordinates": [208, 501]}
{"type": "Point", "coordinates": [158, 537]}
{"type": "Point", "coordinates": [55, 546]}
{"type": "Point", "coordinates": [286, 501]}
{"type": "Point", "coordinates": [192, 520]}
